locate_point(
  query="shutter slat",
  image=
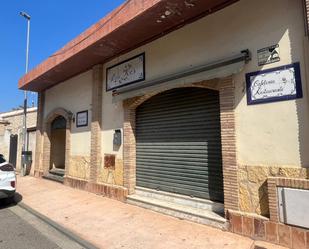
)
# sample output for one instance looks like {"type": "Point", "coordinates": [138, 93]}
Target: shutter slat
{"type": "Point", "coordinates": [178, 143]}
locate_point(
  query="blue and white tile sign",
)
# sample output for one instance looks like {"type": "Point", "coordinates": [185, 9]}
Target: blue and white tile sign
{"type": "Point", "coordinates": [276, 84]}
{"type": "Point", "coordinates": [126, 72]}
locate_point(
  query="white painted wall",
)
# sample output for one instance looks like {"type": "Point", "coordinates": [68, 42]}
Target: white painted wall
{"type": "Point", "coordinates": [73, 95]}
{"type": "Point", "coordinates": [268, 134]}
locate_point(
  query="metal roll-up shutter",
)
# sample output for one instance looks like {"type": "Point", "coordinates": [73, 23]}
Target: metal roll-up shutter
{"type": "Point", "coordinates": [178, 143]}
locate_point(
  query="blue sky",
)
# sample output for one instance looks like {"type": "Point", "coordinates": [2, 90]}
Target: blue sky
{"type": "Point", "coordinates": [53, 24]}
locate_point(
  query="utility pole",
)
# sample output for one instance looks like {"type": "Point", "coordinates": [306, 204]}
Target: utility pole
{"type": "Point", "coordinates": [24, 147]}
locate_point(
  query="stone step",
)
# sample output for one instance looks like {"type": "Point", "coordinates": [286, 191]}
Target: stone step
{"type": "Point", "coordinates": [201, 216]}
{"type": "Point", "coordinates": [188, 201]}
{"type": "Point", "coordinates": [58, 172]}
{"type": "Point", "coordinates": [53, 177]}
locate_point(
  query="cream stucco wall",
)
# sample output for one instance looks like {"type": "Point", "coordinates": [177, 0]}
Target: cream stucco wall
{"type": "Point", "coordinates": [112, 118]}
{"type": "Point", "coordinates": [268, 134]}
{"type": "Point", "coordinates": [274, 133]}
{"type": "Point", "coordinates": [74, 95]}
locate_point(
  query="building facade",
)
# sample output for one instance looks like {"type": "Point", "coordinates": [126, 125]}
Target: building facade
{"type": "Point", "coordinates": [11, 138]}
{"type": "Point", "coordinates": [205, 100]}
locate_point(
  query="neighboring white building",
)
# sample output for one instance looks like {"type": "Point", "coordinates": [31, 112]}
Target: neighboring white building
{"type": "Point", "coordinates": [11, 127]}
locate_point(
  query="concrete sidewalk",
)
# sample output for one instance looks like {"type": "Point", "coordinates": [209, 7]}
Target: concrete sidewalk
{"type": "Point", "coordinates": [107, 223]}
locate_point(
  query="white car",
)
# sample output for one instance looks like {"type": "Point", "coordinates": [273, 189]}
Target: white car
{"type": "Point", "coordinates": [7, 179]}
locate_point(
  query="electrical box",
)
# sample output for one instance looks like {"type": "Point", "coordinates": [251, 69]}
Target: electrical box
{"type": "Point", "coordinates": [294, 206]}
{"type": "Point", "coordinates": [117, 138]}
{"type": "Point", "coordinates": [26, 157]}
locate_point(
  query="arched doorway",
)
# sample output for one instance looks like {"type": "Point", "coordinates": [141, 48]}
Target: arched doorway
{"type": "Point", "coordinates": [225, 87]}
{"type": "Point", "coordinates": [58, 142]}
{"type": "Point", "coordinates": [178, 143]}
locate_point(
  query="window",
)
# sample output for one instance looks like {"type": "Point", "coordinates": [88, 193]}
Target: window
{"type": "Point", "coordinates": [2, 159]}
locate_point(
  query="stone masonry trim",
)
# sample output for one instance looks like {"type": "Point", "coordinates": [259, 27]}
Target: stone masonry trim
{"type": "Point", "coordinates": [39, 136]}
{"type": "Point", "coordinates": [226, 90]}
{"type": "Point", "coordinates": [96, 122]}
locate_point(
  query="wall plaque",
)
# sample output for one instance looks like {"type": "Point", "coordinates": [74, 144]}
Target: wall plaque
{"type": "Point", "coordinates": [126, 72]}
{"type": "Point", "coordinates": [268, 55]}
{"type": "Point", "coordinates": [276, 84]}
{"type": "Point", "coordinates": [82, 119]}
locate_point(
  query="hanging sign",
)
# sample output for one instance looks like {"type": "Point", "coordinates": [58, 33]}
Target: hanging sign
{"type": "Point", "coordinates": [268, 55]}
{"type": "Point", "coordinates": [82, 119]}
{"type": "Point", "coordinates": [126, 72]}
{"type": "Point", "coordinates": [276, 84]}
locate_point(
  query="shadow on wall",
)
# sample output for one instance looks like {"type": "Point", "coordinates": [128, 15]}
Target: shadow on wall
{"type": "Point", "coordinates": [302, 105]}
{"type": "Point", "coordinates": [297, 54]}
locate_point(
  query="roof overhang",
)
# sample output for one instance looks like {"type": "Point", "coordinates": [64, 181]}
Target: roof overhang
{"type": "Point", "coordinates": [131, 25]}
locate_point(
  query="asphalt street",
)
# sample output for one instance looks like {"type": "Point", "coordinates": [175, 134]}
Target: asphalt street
{"type": "Point", "coordinates": [19, 229]}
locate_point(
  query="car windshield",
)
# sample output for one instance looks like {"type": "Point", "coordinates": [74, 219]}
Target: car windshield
{"type": "Point", "coordinates": [2, 159]}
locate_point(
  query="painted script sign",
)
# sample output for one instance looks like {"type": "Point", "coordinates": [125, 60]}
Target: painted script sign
{"type": "Point", "coordinates": [126, 72]}
{"type": "Point", "coordinates": [276, 84]}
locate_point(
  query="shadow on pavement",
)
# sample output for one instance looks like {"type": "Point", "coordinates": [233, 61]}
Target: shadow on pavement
{"type": "Point", "coordinates": [6, 203]}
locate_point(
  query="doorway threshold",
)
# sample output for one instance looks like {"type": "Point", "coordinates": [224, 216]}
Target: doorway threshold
{"type": "Point", "coordinates": [183, 207]}
{"type": "Point", "coordinates": [56, 175]}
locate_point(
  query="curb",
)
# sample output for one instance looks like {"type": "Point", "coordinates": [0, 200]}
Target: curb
{"type": "Point", "coordinates": [59, 228]}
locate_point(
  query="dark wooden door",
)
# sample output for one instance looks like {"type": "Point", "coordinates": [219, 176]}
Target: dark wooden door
{"type": "Point", "coordinates": [13, 149]}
